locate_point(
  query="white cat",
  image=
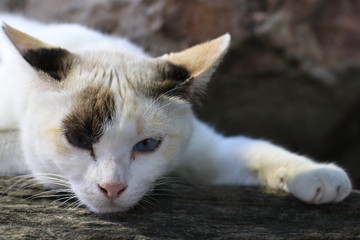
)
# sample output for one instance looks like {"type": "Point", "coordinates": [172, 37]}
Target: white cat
{"type": "Point", "coordinates": [104, 120]}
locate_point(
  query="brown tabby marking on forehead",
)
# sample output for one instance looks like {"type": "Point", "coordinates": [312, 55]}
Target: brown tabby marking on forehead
{"type": "Point", "coordinates": [154, 78]}
{"type": "Point", "coordinates": [139, 126]}
{"type": "Point", "coordinates": [94, 108]}
{"type": "Point", "coordinates": [115, 74]}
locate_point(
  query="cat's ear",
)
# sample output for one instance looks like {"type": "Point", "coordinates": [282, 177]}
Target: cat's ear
{"type": "Point", "coordinates": [53, 61]}
{"type": "Point", "coordinates": [198, 62]}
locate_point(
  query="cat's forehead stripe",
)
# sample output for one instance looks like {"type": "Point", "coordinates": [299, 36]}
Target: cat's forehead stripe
{"type": "Point", "coordinates": [94, 107]}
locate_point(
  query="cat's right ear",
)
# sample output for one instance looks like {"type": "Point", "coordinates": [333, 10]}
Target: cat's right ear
{"type": "Point", "coordinates": [55, 62]}
{"type": "Point", "coordinates": [195, 65]}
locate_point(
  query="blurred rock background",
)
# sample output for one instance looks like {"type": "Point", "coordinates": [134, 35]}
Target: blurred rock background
{"type": "Point", "coordinates": [292, 75]}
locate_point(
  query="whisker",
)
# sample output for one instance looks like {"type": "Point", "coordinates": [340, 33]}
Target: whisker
{"type": "Point", "coordinates": [19, 179]}
{"type": "Point", "coordinates": [72, 207]}
{"type": "Point", "coordinates": [43, 194]}
{"type": "Point", "coordinates": [26, 184]}
{"type": "Point", "coordinates": [65, 196]}
{"type": "Point", "coordinates": [168, 181]}
{"type": "Point", "coordinates": [148, 202]}
{"type": "Point", "coordinates": [33, 177]}
{"type": "Point", "coordinates": [69, 199]}
{"type": "Point", "coordinates": [38, 179]}
{"type": "Point", "coordinates": [63, 193]}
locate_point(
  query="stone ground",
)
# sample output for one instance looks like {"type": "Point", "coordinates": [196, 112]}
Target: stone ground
{"type": "Point", "coordinates": [181, 212]}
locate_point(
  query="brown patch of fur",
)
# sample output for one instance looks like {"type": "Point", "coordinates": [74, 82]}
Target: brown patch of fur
{"type": "Point", "coordinates": [94, 107]}
{"type": "Point", "coordinates": [170, 80]}
{"type": "Point", "coordinates": [56, 62]}
{"type": "Point", "coordinates": [139, 126]}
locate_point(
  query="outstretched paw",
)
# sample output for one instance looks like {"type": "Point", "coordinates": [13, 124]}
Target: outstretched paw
{"type": "Point", "coordinates": [325, 184]}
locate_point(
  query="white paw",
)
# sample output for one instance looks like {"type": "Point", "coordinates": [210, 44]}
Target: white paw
{"type": "Point", "coordinates": [325, 184]}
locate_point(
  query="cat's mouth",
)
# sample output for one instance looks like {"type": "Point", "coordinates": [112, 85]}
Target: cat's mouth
{"type": "Point", "coordinates": [107, 206]}
{"type": "Point", "coordinates": [97, 202]}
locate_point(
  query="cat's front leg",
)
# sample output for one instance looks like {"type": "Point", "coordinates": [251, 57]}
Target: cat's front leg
{"type": "Point", "coordinates": [212, 158]}
{"type": "Point", "coordinates": [309, 181]}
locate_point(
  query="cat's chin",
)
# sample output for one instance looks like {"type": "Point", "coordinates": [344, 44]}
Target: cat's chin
{"type": "Point", "coordinates": [108, 207]}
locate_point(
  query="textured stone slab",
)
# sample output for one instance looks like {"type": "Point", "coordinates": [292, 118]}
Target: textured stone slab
{"type": "Point", "coordinates": [181, 212]}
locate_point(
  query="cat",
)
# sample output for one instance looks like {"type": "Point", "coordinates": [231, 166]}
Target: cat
{"type": "Point", "coordinates": [98, 117]}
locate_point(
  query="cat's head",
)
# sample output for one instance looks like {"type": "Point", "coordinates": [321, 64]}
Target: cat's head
{"type": "Point", "coordinates": [110, 123]}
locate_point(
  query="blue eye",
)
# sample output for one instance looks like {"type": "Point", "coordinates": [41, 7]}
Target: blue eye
{"type": "Point", "coordinates": [147, 145]}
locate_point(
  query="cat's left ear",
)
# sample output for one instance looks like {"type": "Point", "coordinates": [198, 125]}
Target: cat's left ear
{"type": "Point", "coordinates": [53, 61]}
{"type": "Point", "coordinates": [200, 62]}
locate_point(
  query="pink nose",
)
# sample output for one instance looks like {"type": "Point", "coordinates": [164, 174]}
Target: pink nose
{"type": "Point", "coordinates": [112, 191]}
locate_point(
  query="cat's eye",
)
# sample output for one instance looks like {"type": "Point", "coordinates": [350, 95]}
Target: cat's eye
{"type": "Point", "coordinates": [78, 141]}
{"type": "Point", "coordinates": [147, 145]}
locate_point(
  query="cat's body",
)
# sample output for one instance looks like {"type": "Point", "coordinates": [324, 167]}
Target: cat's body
{"type": "Point", "coordinates": [104, 120]}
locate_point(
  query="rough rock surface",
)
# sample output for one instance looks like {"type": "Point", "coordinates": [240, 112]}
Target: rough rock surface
{"type": "Point", "coordinates": [291, 76]}
{"type": "Point", "coordinates": [185, 212]}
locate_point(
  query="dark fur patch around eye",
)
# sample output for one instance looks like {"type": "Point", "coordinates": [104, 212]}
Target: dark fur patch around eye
{"type": "Point", "coordinates": [56, 62]}
{"type": "Point", "coordinates": [95, 107]}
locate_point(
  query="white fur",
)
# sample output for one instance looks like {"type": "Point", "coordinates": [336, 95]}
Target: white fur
{"type": "Point", "coordinates": [198, 154]}
{"type": "Point", "coordinates": [245, 161]}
